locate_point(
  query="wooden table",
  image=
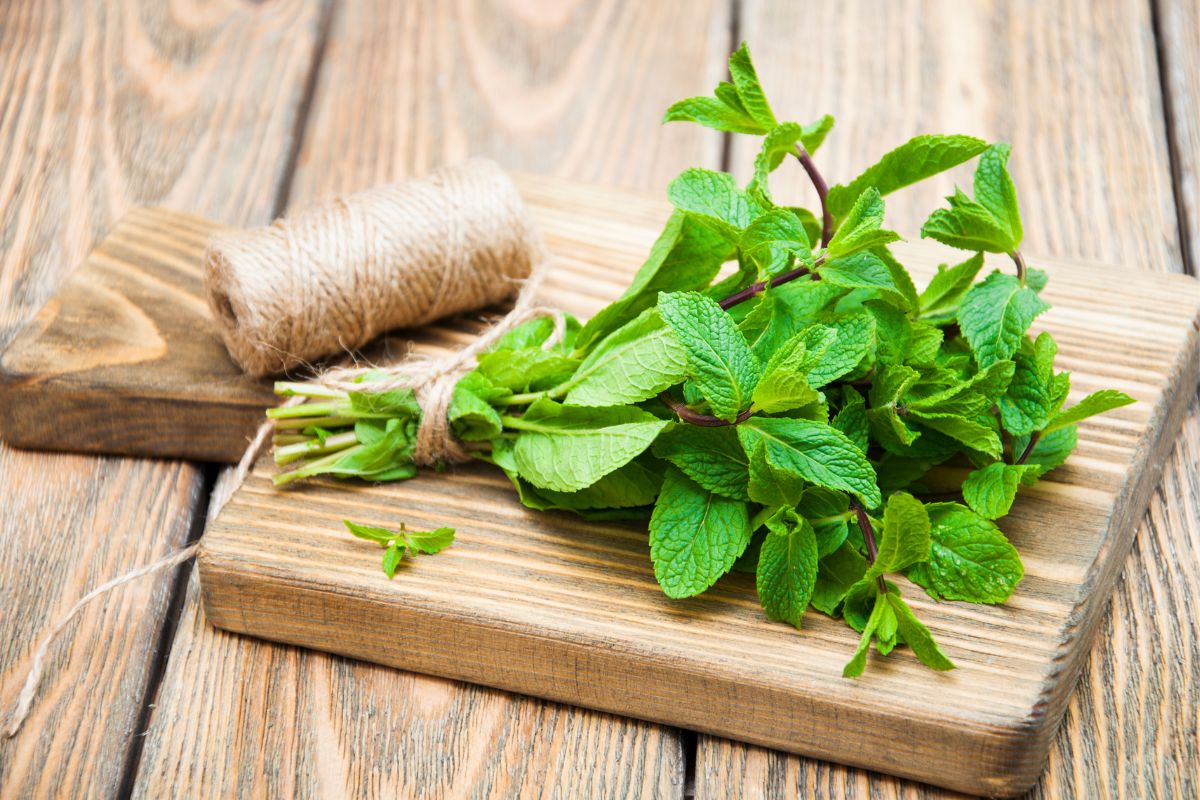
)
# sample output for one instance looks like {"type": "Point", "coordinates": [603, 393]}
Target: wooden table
{"type": "Point", "coordinates": [237, 111]}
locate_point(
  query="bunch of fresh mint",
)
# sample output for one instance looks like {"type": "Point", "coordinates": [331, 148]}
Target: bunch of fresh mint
{"type": "Point", "coordinates": [787, 419]}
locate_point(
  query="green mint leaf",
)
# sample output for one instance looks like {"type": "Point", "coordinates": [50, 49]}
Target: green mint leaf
{"type": "Point", "coordinates": [695, 536]}
{"type": "Point", "coordinates": [773, 241]}
{"type": "Point", "coordinates": [813, 452]}
{"type": "Point", "coordinates": [686, 256]}
{"type": "Point", "coordinates": [833, 358]}
{"type": "Point", "coordinates": [990, 490]}
{"type": "Point", "coordinates": [770, 485]}
{"type": "Point", "coordinates": [531, 368]}
{"type": "Point", "coordinates": [994, 191]}
{"type": "Point", "coordinates": [472, 418]}
{"type": "Point", "coordinates": [917, 636]}
{"type": "Point", "coordinates": [716, 199]}
{"type": "Point", "coordinates": [862, 227]}
{"type": "Point", "coordinates": [719, 359]}
{"type": "Point", "coordinates": [1094, 403]}
{"type": "Point", "coordinates": [995, 315]}
{"type": "Point", "coordinates": [749, 90]}
{"type": "Point", "coordinates": [781, 142]}
{"type": "Point", "coordinates": [975, 435]}
{"type": "Point", "coordinates": [968, 226]}
{"type": "Point", "coordinates": [858, 662]}
{"type": "Point", "coordinates": [632, 364]}
{"type": "Point", "coordinates": [381, 536]}
{"type": "Point", "coordinates": [1027, 404]}
{"type": "Point", "coordinates": [904, 536]}
{"type": "Point", "coordinates": [851, 419]}
{"type": "Point", "coordinates": [941, 298]}
{"type": "Point", "coordinates": [969, 559]}
{"type": "Point", "coordinates": [392, 557]}
{"type": "Point", "coordinates": [836, 574]}
{"type": "Point", "coordinates": [429, 542]}
{"type": "Point", "coordinates": [395, 403]}
{"type": "Point", "coordinates": [971, 397]}
{"type": "Point", "coordinates": [712, 457]}
{"type": "Point", "coordinates": [565, 448]}
{"type": "Point", "coordinates": [711, 112]}
{"type": "Point", "coordinates": [783, 386]}
{"type": "Point", "coordinates": [865, 270]}
{"type": "Point", "coordinates": [913, 161]}
{"type": "Point", "coordinates": [787, 567]}
{"type": "Point", "coordinates": [900, 279]}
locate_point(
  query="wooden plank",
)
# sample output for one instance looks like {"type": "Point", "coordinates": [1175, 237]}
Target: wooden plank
{"type": "Point", "coordinates": [549, 605]}
{"type": "Point", "coordinates": [972, 67]}
{"type": "Point", "coordinates": [132, 323]}
{"type": "Point", "coordinates": [1179, 38]}
{"type": "Point", "coordinates": [103, 107]}
{"type": "Point", "coordinates": [582, 70]}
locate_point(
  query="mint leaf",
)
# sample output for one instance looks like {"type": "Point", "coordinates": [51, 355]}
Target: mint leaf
{"type": "Point", "coordinates": [787, 567]}
{"type": "Point", "coordinates": [716, 199]}
{"type": "Point", "coordinates": [1094, 403]}
{"type": "Point", "coordinates": [429, 542]}
{"type": "Point", "coordinates": [372, 534]}
{"type": "Point", "coordinates": [995, 315]}
{"type": "Point", "coordinates": [749, 90]}
{"type": "Point", "coordinates": [969, 558]}
{"type": "Point", "coordinates": [967, 225]}
{"type": "Point", "coordinates": [858, 661]}
{"type": "Point", "coordinates": [1026, 405]}
{"type": "Point", "coordinates": [565, 448]}
{"type": "Point", "coordinates": [472, 418]}
{"type": "Point", "coordinates": [695, 536]}
{"type": "Point", "coordinates": [862, 228]}
{"type": "Point", "coordinates": [865, 270]}
{"type": "Point", "coordinates": [904, 537]}
{"type": "Point", "coordinates": [773, 241]}
{"type": "Point", "coordinates": [632, 364]}
{"type": "Point", "coordinates": [837, 572]}
{"type": "Point", "coordinates": [719, 359]}
{"type": "Point", "coordinates": [994, 190]}
{"type": "Point", "coordinates": [991, 221]}
{"type": "Point", "coordinates": [990, 490]}
{"type": "Point", "coordinates": [813, 452]}
{"type": "Point", "coordinates": [975, 435]}
{"type": "Point", "coordinates": [941, 298]}
{"type": "Point", "coordinates": [712, 457]}
{"type": "Point", "coordinates": [783, 386]}
{"type": "Point", "coordinates": [917, 636]}
{"type": "Point", "coordinates": [851, 419]}
{"type": "Point", "coordinates": [831, 358]}
{"type": "Point", "coordinates": [711, 112]}
{"type": "Point", "coordinates": [915, 160]}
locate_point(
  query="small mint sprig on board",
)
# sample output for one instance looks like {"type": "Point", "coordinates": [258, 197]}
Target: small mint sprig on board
{"type": "Point", "coordinates": [400, 543]}
{"type": "Point", "coordinates": [797, 417]}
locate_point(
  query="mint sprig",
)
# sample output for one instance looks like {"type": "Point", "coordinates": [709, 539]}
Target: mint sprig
{"type": "Point", "coordinates": [785, 416]}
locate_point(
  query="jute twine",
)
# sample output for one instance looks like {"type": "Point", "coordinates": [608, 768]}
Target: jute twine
{"type": "Point", "coordinates": [336, 276]}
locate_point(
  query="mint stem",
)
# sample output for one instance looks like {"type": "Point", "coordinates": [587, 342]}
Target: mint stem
{"type": "Point", "coordinates": [755, 289]}
{"type": "Point", "coordinates": [1019, 260]}
{"type": "Point", "coordinates": [818, 182]}
{"type": "Point", "coordinates": [1028, 451]}
{"type": "Point", "coordinates": [868, 534]}
{"type": "Point", "coordinates": [696, 418]}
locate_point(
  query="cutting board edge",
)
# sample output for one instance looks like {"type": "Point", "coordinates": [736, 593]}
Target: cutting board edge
{"type": "Point", "coordinates": [1130, 507]}
{"type": "Point", "coordinates": [1018, 747]}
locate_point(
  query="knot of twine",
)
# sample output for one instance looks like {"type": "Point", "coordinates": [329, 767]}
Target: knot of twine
{"type": "Point", "coordinates": [338, 275]}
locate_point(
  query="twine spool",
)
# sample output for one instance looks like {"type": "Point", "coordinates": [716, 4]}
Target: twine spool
{"type": "Point", "coordinates": [336, 275]}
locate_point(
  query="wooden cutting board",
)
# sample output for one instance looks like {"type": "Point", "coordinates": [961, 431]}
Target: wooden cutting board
{"type": "Point", "coordinates": [549, 605]}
